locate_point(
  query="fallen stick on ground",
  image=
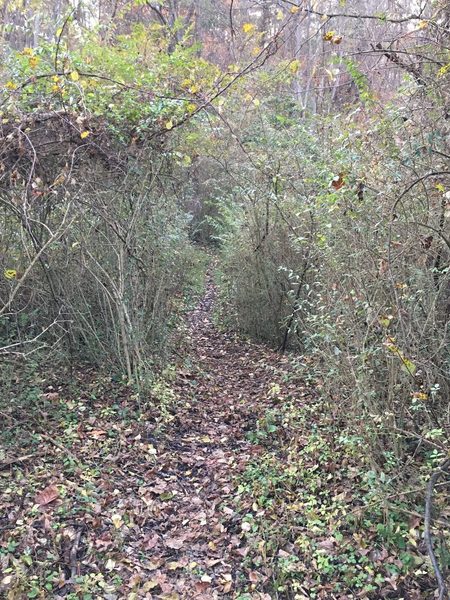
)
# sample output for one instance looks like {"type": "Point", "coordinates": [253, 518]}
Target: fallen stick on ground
{"type": "Point", "coordinates": [13, 461]}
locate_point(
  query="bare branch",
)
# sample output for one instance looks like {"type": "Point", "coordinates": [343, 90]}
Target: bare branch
{"type": "Point", "coordinates": [440, 471]}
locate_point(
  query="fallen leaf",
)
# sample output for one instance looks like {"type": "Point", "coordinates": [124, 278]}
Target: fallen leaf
{"type": "Point", "coordinates": [103, 541]}
{"type": "Point", "coordinates": [51, 396]}
{"type": "Point", "coordinates": [135, 580]}
{"type": "Point", "coordinates": [110, 564]}
{"type": "Point", "coordinates": [253, 576]}
{"type": "Point", "coordinates": [47, 495]}
{"type": "Point", "coordinates": [117, 521]}
{"type": "Point", "coordinates": [96, 433]}
{"type": "Point", "coordinates": [150, 585]}
{"type": "Point", "coordinates": [152, 542]}
{"type": "Point", "coordinates": [227, 587]}
{"type": "Point", "coordinates": [174, 543]}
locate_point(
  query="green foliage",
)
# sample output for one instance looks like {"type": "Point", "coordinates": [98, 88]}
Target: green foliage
{"type": "Point", "coordinates": [132, 83]}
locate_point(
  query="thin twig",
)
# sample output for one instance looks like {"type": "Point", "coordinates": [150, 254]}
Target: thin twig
{"type": "Point", "coordinates": [73, 555]}
{"type": "Point", "coordinates": [13, 461]}
{"type": "Point", "coordinates": [437, 474]}
{"type": "Point", "coordinates": [61, 33]}
{"type": "Point", "coordinates": [60, 446]}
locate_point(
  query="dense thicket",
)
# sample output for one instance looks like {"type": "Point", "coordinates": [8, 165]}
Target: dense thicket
{"type": "Point", "coordinates": [306, 143]}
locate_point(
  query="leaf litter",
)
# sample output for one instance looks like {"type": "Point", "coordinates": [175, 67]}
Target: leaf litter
{"type": "Point", "coordinates": [118, 497]}
{"type": "Point", "coordinates": [120, 503]}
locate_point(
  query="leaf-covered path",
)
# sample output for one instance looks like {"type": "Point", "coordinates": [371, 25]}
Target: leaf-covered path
{"type": "Point", "coordinates": [197, 535]}
{"type": "Point", "coordinates": [111, 503]}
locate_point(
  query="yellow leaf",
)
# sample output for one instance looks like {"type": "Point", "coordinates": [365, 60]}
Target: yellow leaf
{"type": "Point", "coordinates": [408, 366]}
{"type": "Point", "coordinates": [10, 85]}
{"type": "Point", "coordinates": [385, 321]}
{"type": "Point", "coordinates": [444, 70]}
{"type": "Point", "coordinates": [117, 521]}
{"type": "Point", "coordinates": [294, 66]}
{"type": "Point", "coordinates": [280, 15]}
{"type": "Point", "coordinates": [420, 396]}
{"type": "Point", "coordinates": [74, 76]}
{"type": "Point", "coordinates": [27, 52]}
{"type": "Point", "coordinates": [256, 50]}
{"type": "Point", "coordinates": [59, 32]}
{"type": "Point", "coordinates": [84, 134]}
{"type": "Point", "coordinates": [10, 273]}
{"type": "Point", "coordinates": [59, 180]}
{"type": "Point", "coordinates": [423, 24]}
{"type": "Point", "coordinates": [328, 36]}
{"type": "Point", "coordinates": [295, 10]}
{"type": "Point", "coordinates": [256, 102]}
{"type": "Point", "coordinates": [169, 124]}
{"type": "Point", "coordinates": [33, 61]}
{"type": "Point", "coordinates": [440, 187]}
{"type": "Point", "coordinates": [248, 27]}
{"type": "Point", "coordinates": [191, 107]}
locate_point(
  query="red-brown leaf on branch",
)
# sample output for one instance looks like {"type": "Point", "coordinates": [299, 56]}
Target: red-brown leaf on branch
{"type": "Point", "coordinates": [338, 181]}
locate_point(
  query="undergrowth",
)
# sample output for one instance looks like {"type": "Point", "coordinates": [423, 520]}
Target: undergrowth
{"type": "Point", "coordinates": [324, 520]}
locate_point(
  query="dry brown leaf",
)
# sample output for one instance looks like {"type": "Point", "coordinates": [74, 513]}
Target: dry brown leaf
{"type": "Point", "coordinates": [338, 181]}
{"type": "Point", "coordinates": [227, 587]}
{"type": "Point", "coordinates": [51, 396]}
{"type": "Point", "coordinates": [47, 495]}
{"type": "Point", "coordinates": [201, 587]}
{"type": "Point", "coordinates": [151, 542]}
{"type": "Point", "coordinates": [96, 433]}
{"type": "Point", "coordinates": [174, 543]}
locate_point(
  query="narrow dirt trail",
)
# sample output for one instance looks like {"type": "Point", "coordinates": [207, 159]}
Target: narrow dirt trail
{"type": "Point", "coordinates": [223, 394]}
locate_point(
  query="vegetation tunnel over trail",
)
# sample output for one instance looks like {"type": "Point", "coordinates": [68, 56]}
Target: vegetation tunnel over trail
{"type": "Point", "coordinates": [224, 299]}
